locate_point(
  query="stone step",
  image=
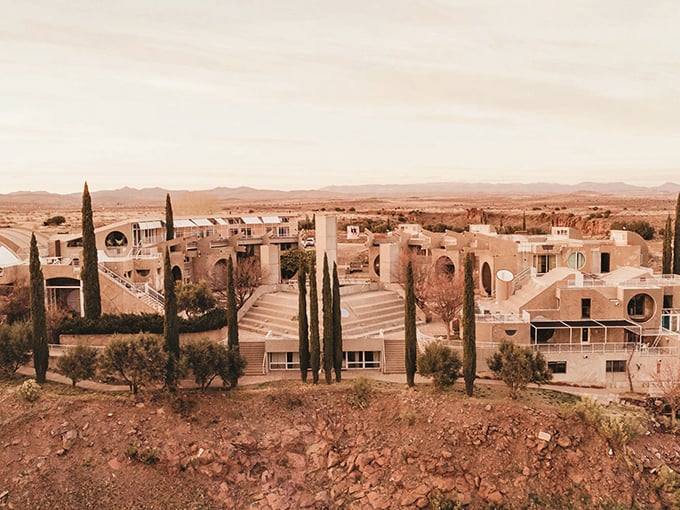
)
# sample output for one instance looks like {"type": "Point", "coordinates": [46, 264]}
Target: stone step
{"type": "Point", "coordinates": [253, 352]}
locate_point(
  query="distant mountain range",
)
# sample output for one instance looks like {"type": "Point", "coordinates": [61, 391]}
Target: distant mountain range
{"type": "Point", "coordinates": [132, 197]}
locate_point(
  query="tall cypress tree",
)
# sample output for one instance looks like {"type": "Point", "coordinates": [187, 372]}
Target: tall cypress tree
{"type": "Point", "coordinates": [89, 274]}
{"type": "Point", "coordinates": [469, 337]}
{"type": "Point", "coordinates": [667, 257]}
{"type": "Point", "coordinates": [41, 352]}
{"type": "Point", "coordinates": [337, 326]}
{"type": "Point", "coordinates": [303, 327]}
{"type": "Point", "coordinates": [169, 221]}
{"type": "Point", "coordinates": [170, 324]}
{"type": "Point", "coordinates": [524, 221]}
{"type": "Point", "coordinates": [410, 327]}
{"type": "Point", "coordinates": [314, 344]}
{"type": "Point", "coordinates": [327, 311]}
{"type": "Point", "coordinates": [232, 323]}
{"type": "Point", "coordinates": [676, 239]}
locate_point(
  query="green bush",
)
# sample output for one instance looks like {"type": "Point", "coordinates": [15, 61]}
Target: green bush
{"type": "Point", "coordinates": [79, 363]}
{"type": "Point", "coordinates": [29, 390]}
{"type": "Point", "coordinates": [15, 347]}
{"type": "Point", "coordinates": [138, 361]}
{"type": "Point", "coordinates": [206, 360]}
{"type": "Point", "coordinates": [643, 228]}
{"type": "Point", "coordinates": [361, 390]}
{"type": "Point", "coordinates": [441, 363]}
{"type": "Point", "coordinates": [518, 366]}
{"type": "Point", "coordinates": [131, 323]}
{"type": "Point", "coordinates": [617, 430]}
{"type": "Point", "coordinates": [54, 220]}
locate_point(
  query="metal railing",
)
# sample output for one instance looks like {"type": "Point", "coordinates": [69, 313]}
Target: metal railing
{"type": "Point", "coordinates": [642, 349]}
{"type": "Point", "coordinates": [499, 317]}
{"type": "Point", "coordinates": [156, 297]}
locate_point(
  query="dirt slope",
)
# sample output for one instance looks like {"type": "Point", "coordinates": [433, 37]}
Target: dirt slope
{"type": "Point", "coordinates": [289, 446]}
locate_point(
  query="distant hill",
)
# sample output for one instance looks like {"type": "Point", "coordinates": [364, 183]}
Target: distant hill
{"type": "Point", "coordinates": [132, 197]}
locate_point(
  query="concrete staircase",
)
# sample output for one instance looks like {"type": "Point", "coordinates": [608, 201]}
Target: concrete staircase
{"type": "Point", "coordinates": [395, 357]}
{"type": "Point", "coordinates": [364, 314]}
{"type": "Point", "coordinates": [371, 313]}
{"type": "Point", "coordinates": [276, 312]}
{"type": "Point", "coordinates": [153, 299]}
{"type": "Point", "coordinates": [253, 352]}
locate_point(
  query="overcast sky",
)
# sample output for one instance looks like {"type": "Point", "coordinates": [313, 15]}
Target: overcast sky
{"type": "Point", "coordinates": [290, 94]}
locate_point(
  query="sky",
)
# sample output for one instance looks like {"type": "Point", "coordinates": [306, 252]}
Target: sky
{"type": "Point", "coordinates": [298, 94]}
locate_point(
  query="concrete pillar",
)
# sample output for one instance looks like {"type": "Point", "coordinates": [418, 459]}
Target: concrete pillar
{"type": "Point", "coordinates": [389, 263]}
{"type": "Point", "coordinates": [326, 226]}
{"type": "Point", "coordinates": [270, 263]}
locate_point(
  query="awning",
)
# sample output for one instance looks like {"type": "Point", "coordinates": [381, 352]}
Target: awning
{"type": "Point", "coordinates": [587, 323]}
{"type": "Point", "coordinates": [271, 219]}
{"type": "Point", "coordinates": [251, 220]}
{"type": "Point", "coordinates": [220, 221]}
{"type": "Point", "coordinates": [183, 224]}
{"type": "Point", "coordinates": [149, 225]}
{"type": "Point", "coordinates": [202, 222]}
{"type": "Point", "coordinates": [7, 257]}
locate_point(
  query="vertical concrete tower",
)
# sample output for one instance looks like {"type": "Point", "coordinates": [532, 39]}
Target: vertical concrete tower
{"type": "Point", "coordinates": [326, 242]}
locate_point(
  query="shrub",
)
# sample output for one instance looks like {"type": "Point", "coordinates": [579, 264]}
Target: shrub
{"type": "Point", "coordinates": [29, 390]}
{"type": "Point", "coordinates": [518, 366]}
{"type": "Point", "coordinates": [143, 454]}
{"type": "Point", "coordinates": [206, 360]}
{"type": "Point", "coordinates": [361, 390]}
{"type": "Point", "coordinates": [441, 363]}
{"type": "Point", "coordinates": [138, 361]}
{"type": "Point", "coordinates": [643, 228]}
{"type": "Point", "coordinates": [236, 365]}
{"type": "Point", "coordinates": [54, 220]}
{"type": "Point", "coordinates": [617, 430]}
{"type": "Point", "coordinates": [79, 363]}
{"type": "Point", "coordinates": [132, 323]}
{"type": "Point", "coordinates": [195, 298]}
{"type": "Point", "coordinates": [15, 347]}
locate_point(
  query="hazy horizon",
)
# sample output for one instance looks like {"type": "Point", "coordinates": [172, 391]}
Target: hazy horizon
{"type": "Point", "coordinates": [306, 94]}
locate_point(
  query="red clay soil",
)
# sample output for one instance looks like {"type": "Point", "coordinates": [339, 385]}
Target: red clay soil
{"type": "Point", "coordinates": [286, 446]}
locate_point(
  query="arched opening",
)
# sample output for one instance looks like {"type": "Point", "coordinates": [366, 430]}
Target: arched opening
{"type": "Point", "coordinates": [115, 239]}
{"type": "Point", "coordinates": [63, 293]}
{"type": "Point", "coordinates": [641, 307]}
{"type": "Point", "coordinates": [486, 278]}
{"type": "Point", "coordinates": [177, 274]}
{"type": "Point", "coordinates": [445, 266]}
{"type": "Point", "coordinates": [376, 265]}
{"type": "Point", "coordinates": [219, 275]}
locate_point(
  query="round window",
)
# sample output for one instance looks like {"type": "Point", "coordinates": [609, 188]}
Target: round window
{"type": "Point", "coordinates": [641, 307]}
{"type": "Point", "coordinates": [576, 260]}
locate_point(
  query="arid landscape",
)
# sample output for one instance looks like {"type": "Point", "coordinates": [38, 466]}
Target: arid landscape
{"type": "Point", "coordinates": [285, 445]}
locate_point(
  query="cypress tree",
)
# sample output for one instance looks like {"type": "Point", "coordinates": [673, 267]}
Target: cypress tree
{"type": "Point", "coordinates": [89, 274]}
{"type": "Point", "coordinates": [41, 352]}
{"type": "Point", "coordinates": [303, 328]}
{"type": "Point", "coordinates": [524, 221]}
{"type": "Point", "coordinates": [327, 311]}
{"type": "Point", "coordinates": [667, 247]}
{"type": "Point", "coordinates": [232, 322]}
{"type": "Point", "coordinates": [314, 345]}
{"type": "Point", "coordinates": [676, 239]}
{"type": "Point", "coordinates": [410, 327]}
{"type": "Point", "coordinates": [169, 222]}
{"type": "Point", "coordinates": [170, 324]}
{"type": "Point", "coordinates": [469, 340]}
{"type": "Point", "coordinates": [337, 326]}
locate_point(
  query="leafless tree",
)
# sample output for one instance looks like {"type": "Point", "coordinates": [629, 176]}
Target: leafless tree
{"type": "Point", "coordinates": [248, 276]}
{"type": "Point", "coordinates": [444, 297]}
{"type": "Point", "coordinates": [667, 380]}
{"type": "Point", "coordinates": [422, 267]}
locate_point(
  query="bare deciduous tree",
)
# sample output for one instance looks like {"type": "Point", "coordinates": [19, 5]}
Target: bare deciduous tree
{"type": "Point", "coordinates": [444, 297]}
{"type": "Point", "coordinates": [248, 276]}
{"type": "Point", "coordinates": [667, 380]}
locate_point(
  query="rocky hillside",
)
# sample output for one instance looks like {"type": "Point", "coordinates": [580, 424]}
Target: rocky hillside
{"type": "Point", "coordinates": [289, 446]}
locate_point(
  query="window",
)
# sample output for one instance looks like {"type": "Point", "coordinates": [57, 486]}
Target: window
{"type": "Point", "coordinates": [585, 308]}
{"type": "Point", "coordinates": [615, 365]}
{"type": "Point", "coordinates": [585, 334]}
{"type": "Point", "coordinates": [576, 260]}
{"type": "Point", "coordinates": [284, 360]}
{"type": "Point", "coordinates": [557, 367]}
{"type": "Point", "coordinates": [668, 301]}
{"type": "Point", "coordinates": [640, 308]}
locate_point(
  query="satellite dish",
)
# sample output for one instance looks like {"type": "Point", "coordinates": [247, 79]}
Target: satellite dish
{"type": "Point", "coordinates": [505, 276]}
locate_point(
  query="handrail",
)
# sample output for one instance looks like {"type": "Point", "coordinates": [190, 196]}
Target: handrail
{"type": "Point", "coordinates": [135, 288]}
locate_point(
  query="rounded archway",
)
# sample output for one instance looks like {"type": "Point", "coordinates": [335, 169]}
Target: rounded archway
{"type": "Point", "coordinates": [641, 307]}
{"type": "Point", "coordinates": [486, 278]}
{"type": "Point", "coordinates": [376, 265]}
{"type": "Point", "coordinates": [177, 273]}
{"type": "Point", "coordinates": [445, 266]}
{"type": "Point", "coordinates": [115, 239]}
{"type": "Point", "coordinates": [219, 275]}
